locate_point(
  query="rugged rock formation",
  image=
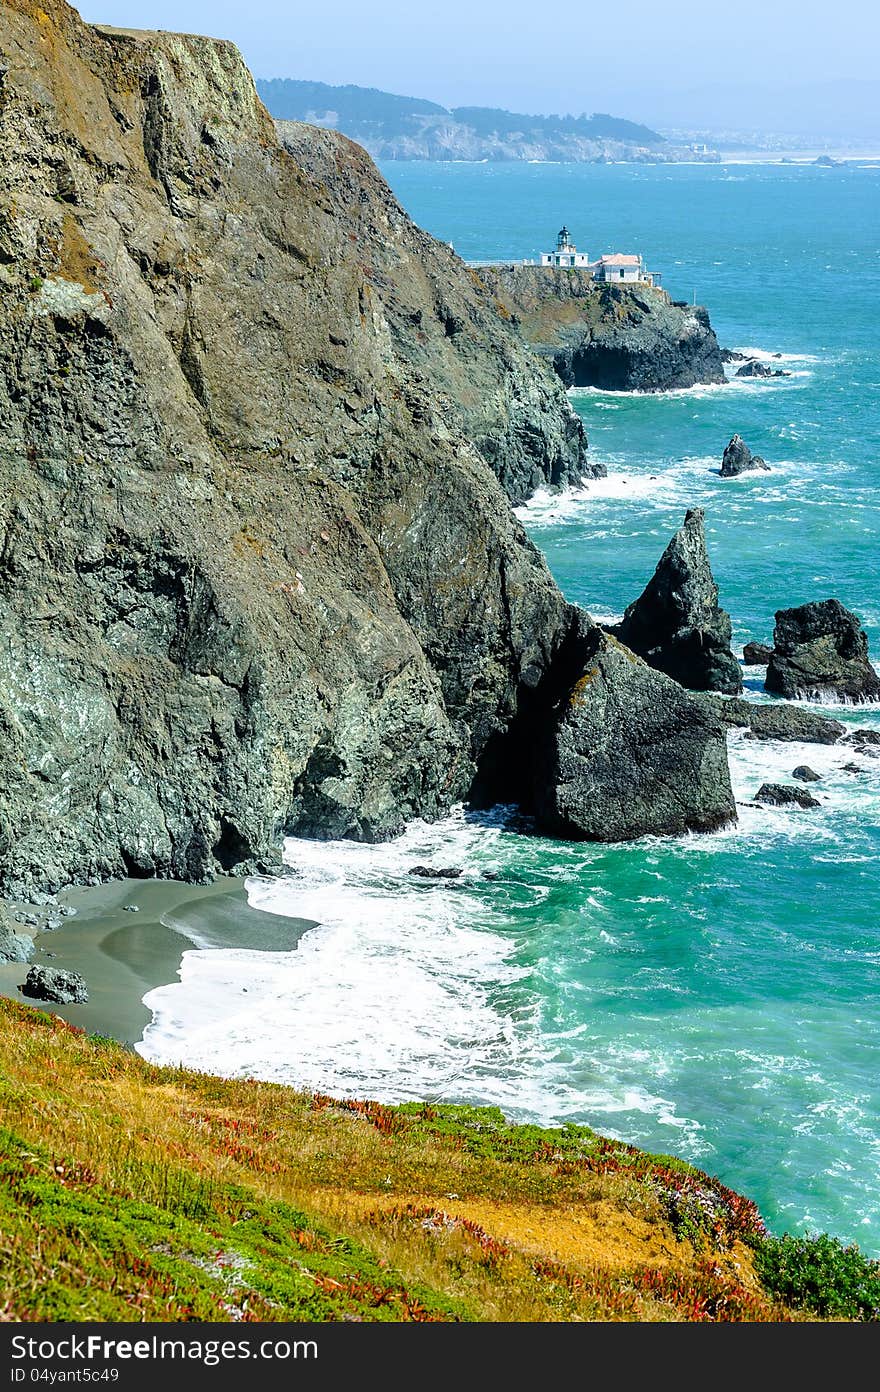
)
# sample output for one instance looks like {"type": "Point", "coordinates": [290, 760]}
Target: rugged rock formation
{"type": "Point", "coordinates": [258, 571]}
{"type": "Point", "coordinates": [784, 795]}
{"type": "Point", "coordinates": [628, 753]}
{"type": "Point", "coordinates": [755, 368]}
{"type": "Point", "coordinates": [676, 624]}
{"type": "Point", "coordinates": [806, 774]}
{"type": "Point", "coordinates": [820, 650]}
{"type": "Point", "coordinates": [617, 337]}
{"type": "Point", "coordinates": [53, 984]}
{"type": "Point", "coordinates": [444, 326]}
{"type": "Point", "coordinates": [738, 459]}
{"type": "Point", "coordinates": [257, 575]}
{"type": "Point", "coordinates": [14, 947]}
{"type": "Point", "coordinates": [775, 722]}
{"type": "Point", "coordinates": [757, 654]}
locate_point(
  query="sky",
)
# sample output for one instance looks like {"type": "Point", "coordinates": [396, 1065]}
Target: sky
{"type": "Point", "coordinates": [667, 62]}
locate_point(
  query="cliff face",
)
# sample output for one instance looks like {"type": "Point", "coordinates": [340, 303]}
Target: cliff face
{"type": "Point", "coordinates": [616, 337]}
{"type": "Point", "coordinates": [256, 574]}
{"type": "Point", "coordinates": [443, 324]}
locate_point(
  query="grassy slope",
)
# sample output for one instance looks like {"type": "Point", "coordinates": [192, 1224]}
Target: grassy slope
{"type": "Point", "coordinates": [135, 1193]}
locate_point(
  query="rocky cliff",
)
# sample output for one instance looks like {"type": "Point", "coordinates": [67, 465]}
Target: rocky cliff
{"type": "Point", "coordinates": [259, 573]}
{"type": "Point", "coordinates": [443, 325]}
{"type": "Point", "coordinates": [256, 574]}
{"type": "Point", "coordinates": [616, 337]}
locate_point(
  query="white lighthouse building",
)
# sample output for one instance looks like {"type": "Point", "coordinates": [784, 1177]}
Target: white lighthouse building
{"type": "Point", "coordinates": [566, 253]}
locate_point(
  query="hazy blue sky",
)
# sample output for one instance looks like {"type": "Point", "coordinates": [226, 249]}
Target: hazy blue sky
{"type": "Point", "coordinates": [656, 61]}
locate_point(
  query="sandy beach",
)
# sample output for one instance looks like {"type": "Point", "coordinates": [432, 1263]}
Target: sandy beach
{"type": "Point", "coordinates": [128, 937]}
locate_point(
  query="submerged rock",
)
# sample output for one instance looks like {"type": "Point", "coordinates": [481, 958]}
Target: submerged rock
{"type": "Point", "coordinates": [820, 651]}
{"type": "Point", "coordinates": [806, 774]}
{"type": "Point", "coordinates": [784, 795]}
{"type": "Point", "coordinates": [435, 872]}
{"type": "Point", "coordinates": [779, 721]}
{"type": "Point", "coordinates": [755, 368]}
{"type": "Point", "coordinates": [627, 753]}
{"type": "Point", "coordinates": [676, 624]}
{"type": "Point", "coordinates": [738, 459]}
{"type": "Point", "coordinates": [757, 654]}
{"type": "Point", "coordinates": [864, 737]}
{"type": "Point", "coordinates": [54, 984]}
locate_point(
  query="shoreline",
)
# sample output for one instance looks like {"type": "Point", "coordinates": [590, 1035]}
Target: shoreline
{"type": "Point", "coordinates": [127, 937]}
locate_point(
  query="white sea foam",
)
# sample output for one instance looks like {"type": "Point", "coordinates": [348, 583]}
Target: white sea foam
{"type": "Point", "coordinates": [684, 482]}
{"type": "Point", "coordinates": [764, 356]}
{"type": "Point", "coordinates": [852, 793]}
{"type": "Point", "coordinates": [391, 995]}
{"type": "Point", "coordinates": [407, 989]}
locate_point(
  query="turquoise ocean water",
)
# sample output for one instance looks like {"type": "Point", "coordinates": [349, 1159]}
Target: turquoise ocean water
{"type": "Point", "coordinates": [716, 997]}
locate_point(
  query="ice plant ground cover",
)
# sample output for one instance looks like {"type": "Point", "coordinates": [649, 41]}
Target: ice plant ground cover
{"type": "Point", "coordinates": [140, 1193]}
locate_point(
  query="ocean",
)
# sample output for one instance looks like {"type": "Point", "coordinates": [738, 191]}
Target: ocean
{"type": "Point", "coordinates": [715, 997]}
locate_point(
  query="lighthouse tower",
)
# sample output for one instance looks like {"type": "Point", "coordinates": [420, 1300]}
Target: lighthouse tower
{"type": "Point", "coordinates": [566, 253]}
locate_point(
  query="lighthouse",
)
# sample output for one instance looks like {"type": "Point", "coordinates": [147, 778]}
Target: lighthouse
{"type": "Point", "coordinates": [566, 253]}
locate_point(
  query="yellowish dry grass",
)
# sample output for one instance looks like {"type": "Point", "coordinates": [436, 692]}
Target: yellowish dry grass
{"type": "Point", "coordinates": [121, 1182]}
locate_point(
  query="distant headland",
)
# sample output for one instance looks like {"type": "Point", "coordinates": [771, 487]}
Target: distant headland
{"type": "Point", "coordinates": [410, 128]}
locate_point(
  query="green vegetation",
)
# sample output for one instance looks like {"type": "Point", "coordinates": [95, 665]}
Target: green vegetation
{"type": "Point", "coordinates": [821, 1275]}
{"type": "Point", "coordinates": [129, 1192]}
{"type": "Point", "coordinates": [292, 100]}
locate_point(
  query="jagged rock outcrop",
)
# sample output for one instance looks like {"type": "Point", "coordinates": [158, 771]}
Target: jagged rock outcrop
{"type": "Point", "coordinates": [616, 337]}
{"type": "Point", "coordinates": [757, 654]}
{"type": "Point", "coordinates": [676, 624]}
{"type": "Point", "coordinates": [627, 752]}
{"type": "Point", "coordinates": [806, 774]}
{"type": "Point", "coordinates": [820, 650]}
{"type": "Point", "coordinates": [784, 795]}
{"type": "Point", "coordinates": [778, 721]}
{"type": "Point", "coordinates": [738, 459]}
{"type": "Point", "coordinates": [54, 984]}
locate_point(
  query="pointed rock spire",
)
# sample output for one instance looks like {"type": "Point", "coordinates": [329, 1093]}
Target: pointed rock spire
{"type": "Point", "coordinates": [738, 459]}
{"type": "Point", "coordinates": [676, 624]}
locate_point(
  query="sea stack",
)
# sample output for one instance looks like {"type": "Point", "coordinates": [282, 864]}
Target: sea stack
{"type": "Point", "coordinates": [756, 654]}
{"type": "Point", "coordinates": [738, 459]}
{"type": "Point", "coordinates": [628, 753]}
{"type": "Point", "coordinates": [820, 652]}
{"type": "Point", "coordinates": [676, 624]}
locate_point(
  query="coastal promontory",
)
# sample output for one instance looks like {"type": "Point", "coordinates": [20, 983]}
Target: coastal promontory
{"type": "Point", "coordinates": [628, 337]}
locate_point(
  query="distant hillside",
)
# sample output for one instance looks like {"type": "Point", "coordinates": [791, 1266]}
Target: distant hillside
{"type": "Point", "coordinates": [395, 127]}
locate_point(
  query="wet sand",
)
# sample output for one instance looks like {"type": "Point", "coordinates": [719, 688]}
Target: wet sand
{"type": "Point", "coordinates": [124, 954]}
